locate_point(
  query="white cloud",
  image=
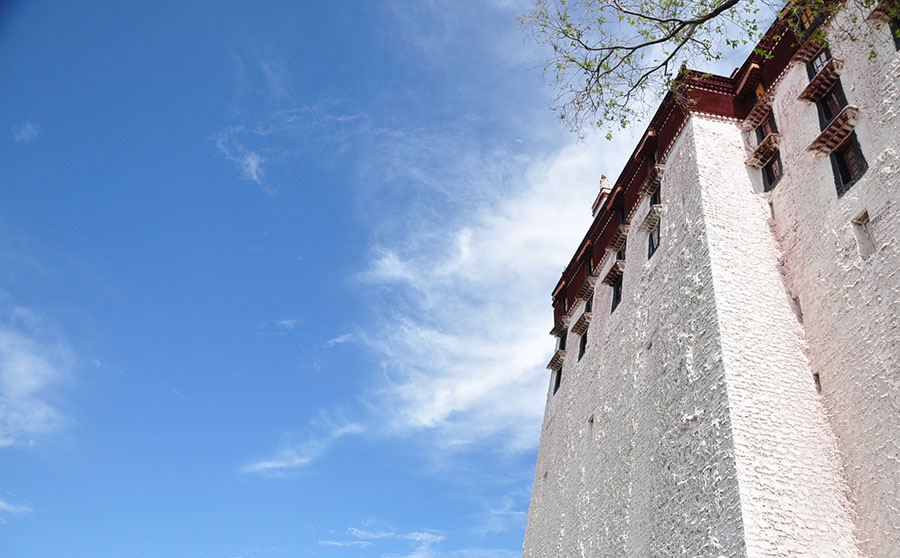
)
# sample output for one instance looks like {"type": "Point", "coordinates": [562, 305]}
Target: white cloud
{"type": "Point", "coordinates": [422, 542]}
{"type": "Point", "coordinates": [465, 310]}
{"type": "Point", "coordinates": [287, 323]}
{"type": "Point", "coordinates": [358, 544]}
{"type": "Point", "coordinates": [15, 509]}
{"type": "Point", "coordinates": [25, 132]}
{"type": "Point", "coordinates": [32, 365]}
{"type": "Point", "coordinates": [292, 456]}
{"type": "Point", "coordinates": [345, 338]}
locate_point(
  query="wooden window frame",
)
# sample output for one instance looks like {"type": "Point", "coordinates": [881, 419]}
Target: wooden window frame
{"type": "Point", "coordinates": [848, 164]}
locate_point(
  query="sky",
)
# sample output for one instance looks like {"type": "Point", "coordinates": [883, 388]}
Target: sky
{"type": "Point", "coordinates": [275, 276]}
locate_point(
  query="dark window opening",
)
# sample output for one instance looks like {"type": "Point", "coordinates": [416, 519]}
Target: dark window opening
{"type": "Point", "coordinates": [817, 63]}
{"type": "Point", "coordinates": [557, 380]}
{"type": "Point", "coordinates": [582, 346]}
{"type": "Point", "coordinates": [589, 303]}
{"type": "Point", "coordinates": [772, 172]}
{"type": "Point", "coordinates": [623, 214]}
{"type": "Point", "coordinates": [818, 382]}
{"type": "Point", "coordinates": [653, 241]}
{"type": "Point", "coordinates": [562, 342]}
{"type": "Point", "coordinates": [895, 31]}
{"type": "Point", "coordinates": [655, 197]}
{"type": "Point", "coordinates": [616, 295]}
{"type": "Point", "coordinates": [766, 127]}
{"type": "Point", "coordinates": [848, 164]}
{"type": "Point", "coordinates": [831, 104]}
{"type": "Point", "coordinates": [620, 255]}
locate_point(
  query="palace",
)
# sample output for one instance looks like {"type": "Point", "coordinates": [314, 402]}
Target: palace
{"type": "Point", "coordinates": [726, 378]}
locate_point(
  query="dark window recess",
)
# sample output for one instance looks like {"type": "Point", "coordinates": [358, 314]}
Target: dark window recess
{"type": "Point", "coordinates": [817, 63]}
{"type": "Point", "coordinates": [616, 295]}
{"type": "Point", "coordinates": [623, 214]}
{"type": "Point", "coordinates": [620, 255]}
{"type": "Point", "coordinates": [831, 104]}
{"type": "Point", "coordinates": [895, 31]}
{"type": "Point", "coordinates": [589, 303]}
{"type": "Point", "coordinates": [759, 92]}
{"type": "Point", "coordinates": [562, 342]}
{"type": "Point", "coordinates": [766, 127]}
{"type": "Point", "coordinates": [655, 197]}
{"type": "Point", "coordinates": [848, 164]}
{"type": "Point", "coordinates": [582, 346]}
{"type": "Point", "coordinates": [557, 379]}
{"type": "Point", "coordinates": [772, 172]}
{"type": "Point", "coordinates": [653, 241]}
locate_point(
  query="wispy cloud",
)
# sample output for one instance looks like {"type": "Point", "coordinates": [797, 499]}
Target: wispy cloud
{"type": "Point", "coordinates": [345, 338]}
{"type": "Point", "coordinates": [287, 323]}
{"type": "Point", "coordinates": [25, 132]}
{"type": "Point", "coordinates": [15, 509]}
{"type": "Point", "coordinates": [32, 365]}
{"type": "Point", "coordinates": [292, 456]}
{"type": "Point", "coordinates": [464, 300]}
{"type": "Point", "coordinates": [422, 543]}
{"type": "Point", "coordinates": [358, 544]}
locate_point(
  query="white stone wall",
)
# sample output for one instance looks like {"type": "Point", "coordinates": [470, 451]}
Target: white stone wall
{"type": "Point", "coordinates": [692, 426]}
{"type": "Point", "coordinates": [851, 305]}
{"type": "Point", "coordinates": [653, 474]}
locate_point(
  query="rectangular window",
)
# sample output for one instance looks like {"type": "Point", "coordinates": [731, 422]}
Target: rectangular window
{"type": "Point", "coordinates": [623, 214]}
{"type": "Point", "coordinates": [817, 63]}
{"type": "Point", "coordinates": [831, 104]}
{"type": "Point", "coordinates": [766, 127]}
{"type": "Point", "coordinates": [557, 379]}
{"type": "Point", "coordinates": [561, 344]}
{"type": "Point", "coordinates": [655, 198]}
{"type": "Point", "coordinates": [616, 295]}
{"type": "Point", "coordinates": [759, 91]}
{"type": "Point", "coordinates": [589, 303]}
{"type": "Point", "coordinates": [895, 31]}
{"type": "Point", "coordinates": [848, 164]}
{"type": "Point", "coordinates": [807, 22]}
{"type": "Point", "coordinates": [772, 172]}
{"type": "Point", "coordinates": [653, 241]}
{"type": "Point", "coordinates": [582, 346]}
{"type": "Point", "coordinates": [620, 255]}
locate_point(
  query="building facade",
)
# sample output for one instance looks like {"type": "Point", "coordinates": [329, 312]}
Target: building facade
{"type": "Point", "coordinates": [726, 381]}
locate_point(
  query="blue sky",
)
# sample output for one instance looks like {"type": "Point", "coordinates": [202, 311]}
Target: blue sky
{"type": "Point", "coordinates": [275, 277]}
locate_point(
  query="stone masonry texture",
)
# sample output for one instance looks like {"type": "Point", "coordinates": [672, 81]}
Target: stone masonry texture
{"type": "Point", "coordinates": [693, 425]}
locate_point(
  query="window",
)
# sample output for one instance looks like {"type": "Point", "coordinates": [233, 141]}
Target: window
{"type": "Point", "coordinates": [557, 379]}
{"type": "Point", "coordinates": [772, 172]}
{"type": "Point", "coordinates": [616, 294]}
{"type": "Point", "coordinates": [808, 21]}
{"type": "Point", "coordinates": [561, 344]}
{"type": "Point", "coordinates": [620, 255]}
{"type": "Point", "coordinates": [895, 31]}
{"type": "Point", "coordinates": [589, 303]}
{"type": "Point", "coordinates": [623, 214]}
{"type": "Point", "coordinates": [766, 127]}
{"type": "Point", "coordinates": [831, 104]}
{"type": "Point", "coordinates": [582, 345]}
{"type": "Point", "coordinates": [759, 91]}
{"type": "Point", "coordinates": [817, 63]}
{"type": "Point", "coordinates": [653, 241]}
{"type": "Point", "coordinates": [848, 164]}
{"type": "Point", "coordinates": [864, 241]}
{"type": "Point", "coordinates": [655, 197]}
